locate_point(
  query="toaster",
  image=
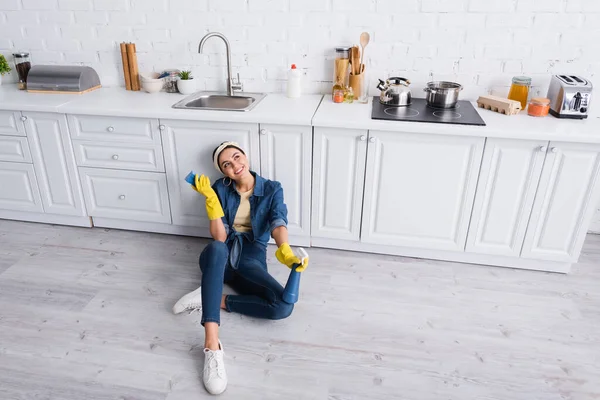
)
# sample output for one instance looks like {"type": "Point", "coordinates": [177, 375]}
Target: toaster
{"type": "Point", "coordinates": [569, 96]}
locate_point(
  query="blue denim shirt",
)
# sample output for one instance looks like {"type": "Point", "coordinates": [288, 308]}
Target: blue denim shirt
{"type": "Point", "coordinates": [267, 209]}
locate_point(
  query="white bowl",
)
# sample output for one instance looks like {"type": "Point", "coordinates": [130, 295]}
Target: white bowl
{"type": "Point", "coordinates": [152, 86]}
{"type": "Point", "coordinates": [149, 76]}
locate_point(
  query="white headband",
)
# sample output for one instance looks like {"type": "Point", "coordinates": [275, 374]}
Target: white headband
{"type": "Point", "coordinates": [220, 149]}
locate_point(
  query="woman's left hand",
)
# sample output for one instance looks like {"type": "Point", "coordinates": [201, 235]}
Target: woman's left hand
{"type": "Point", "coordinates": [286, 256]}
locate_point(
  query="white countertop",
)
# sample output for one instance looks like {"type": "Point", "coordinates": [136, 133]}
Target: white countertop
{"type": "Point", "coordinates": [275, 108]}
{"type": "Point", "coordinates": [11, 98]}
{"type": "Point", "coordinates": [522, 126]}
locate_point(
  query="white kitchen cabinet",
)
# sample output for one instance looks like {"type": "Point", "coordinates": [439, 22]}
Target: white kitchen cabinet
{"type": "Point", "coordinates": [54, 163]}
{"type": "Point", "coordinates": [508, 180]}
{"type": "Point", "coordinates": [565, 202]}
{"type": "Point", "coordinates": [15, 149]}
{"type": "Point", "coordinates": [11, 123]}
{"type": "Point", "coordinates": [188, 146]}
{"type": "Point", "coordinates": [18, 188]}
{"type": "Point", "coordinates": [338, 177]}
{"type": "Point", "coordinates": [286, 157]}
{"type": "Point", "coordinates": [127, 195]}
{"type": "Point", "coordinates": [419, 189]}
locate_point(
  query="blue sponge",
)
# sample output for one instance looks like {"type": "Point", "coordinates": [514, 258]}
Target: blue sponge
{"type": "Point", "coordinates": [191, 178]}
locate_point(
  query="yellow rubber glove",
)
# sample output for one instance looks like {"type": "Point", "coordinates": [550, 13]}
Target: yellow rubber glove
{"type": "Point", "coordinates": [286, 256]}
{"type": "Point", "coordinates": [213, 206]}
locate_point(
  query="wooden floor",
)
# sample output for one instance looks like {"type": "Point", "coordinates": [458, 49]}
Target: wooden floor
{"type": "Point", "coordinates": [85, 314]}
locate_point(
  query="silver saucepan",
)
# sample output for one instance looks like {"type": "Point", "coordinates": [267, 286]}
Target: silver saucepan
{"type": "Point", "coordinates": [442, 94]}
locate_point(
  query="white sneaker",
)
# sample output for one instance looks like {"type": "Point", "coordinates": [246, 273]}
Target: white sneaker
{"type": "Point", "coordinates": [214, 376]}
{"type": "Point", "coordinates": [190, 301]}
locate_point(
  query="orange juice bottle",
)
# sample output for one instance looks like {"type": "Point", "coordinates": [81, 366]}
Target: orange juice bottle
{"type": "Point", "coordinates": [519, 90]}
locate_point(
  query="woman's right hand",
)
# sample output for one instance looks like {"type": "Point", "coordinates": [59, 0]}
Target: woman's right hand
{"type": "Point", "coordinates": [213, 206]}
{"type": "Point", "coordinates": [202, 186]}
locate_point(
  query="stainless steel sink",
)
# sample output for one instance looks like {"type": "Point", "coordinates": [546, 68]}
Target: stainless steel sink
{"type": "Point", "coordinates": [220, 101]}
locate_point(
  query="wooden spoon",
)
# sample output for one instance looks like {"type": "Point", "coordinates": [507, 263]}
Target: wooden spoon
{"type": "Point", "coordinates": [364, 41]}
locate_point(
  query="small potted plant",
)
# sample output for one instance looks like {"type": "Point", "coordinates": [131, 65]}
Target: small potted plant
{"type": "Point", "coordinates": [186, 83]}
{"type": "Point", "coordinates": [4, 67]}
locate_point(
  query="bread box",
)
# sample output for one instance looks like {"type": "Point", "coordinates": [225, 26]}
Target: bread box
{"type": "Point", "coordinates": [62, 79]}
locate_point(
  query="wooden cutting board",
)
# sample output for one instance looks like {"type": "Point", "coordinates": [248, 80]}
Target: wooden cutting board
{"type": "Point", "coordinates": [64, 92]}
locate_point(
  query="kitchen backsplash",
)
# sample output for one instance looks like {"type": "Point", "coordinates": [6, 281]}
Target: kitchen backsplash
{"type": "Point", "coordinates": [478, 43]}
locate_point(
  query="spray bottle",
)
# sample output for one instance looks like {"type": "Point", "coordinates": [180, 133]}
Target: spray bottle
{"type": "Point", "coordinates": [292, 287]}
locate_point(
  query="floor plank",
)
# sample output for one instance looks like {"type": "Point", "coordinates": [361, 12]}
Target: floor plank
{"type": "Point", "coordinates": [86, 314]}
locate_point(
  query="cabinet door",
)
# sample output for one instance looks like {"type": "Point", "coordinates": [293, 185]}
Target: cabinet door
{"type": "Point", "coordinates": [509, 176]}
{"type": "Point", "coordinates": [130, 195]}
{"type": "Point", "coordinates": [338, 179]}
{"type": "Point", "coordinates": [11, 123]}
{"type": "Point", "coordinates": [188, 146]}
{"type": "Point", "coordinates": [18, 188]}
{"type": "Point", "coordinates": [565, 202]}
{"type": "Point", "coordinates": [419, 189]}
{"type": "Point", "coordinates": [286, 156]}
{"type": "Point", "coordinates": [54, 163]}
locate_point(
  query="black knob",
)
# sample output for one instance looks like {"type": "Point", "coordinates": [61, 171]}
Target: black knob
{"type": "Point", "coordinates": [583, 110]}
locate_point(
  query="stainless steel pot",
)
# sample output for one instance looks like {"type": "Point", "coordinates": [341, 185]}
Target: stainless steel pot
{"type": "Point", "coordinates": [395, 92]}
{"type": "Point", "coordinates": [442, 94]}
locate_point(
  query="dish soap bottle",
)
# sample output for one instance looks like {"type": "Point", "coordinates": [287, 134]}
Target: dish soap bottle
{"type": "Point", "coordinates": [294, 83]}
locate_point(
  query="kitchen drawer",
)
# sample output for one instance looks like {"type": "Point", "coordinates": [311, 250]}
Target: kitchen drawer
{"type": "Point", "coordinates": [114, 129]}
{"type": "Point", "coordinates": [11, 123]}
{"type": "Point", "coordinates": [14, 148]}
{"type": "Point", "coordinates": [129, 195]}
{"type": "Point", "coordinates": [131, 156]}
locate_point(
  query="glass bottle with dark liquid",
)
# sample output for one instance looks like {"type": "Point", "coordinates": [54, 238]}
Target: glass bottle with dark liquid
{"type": "Point", "coordinates": [22, 65]}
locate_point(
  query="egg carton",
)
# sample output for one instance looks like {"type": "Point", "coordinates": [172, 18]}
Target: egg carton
{"type": "Point", "coordinates": [499, 104]}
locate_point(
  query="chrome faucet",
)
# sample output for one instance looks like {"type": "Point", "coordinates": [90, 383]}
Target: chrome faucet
{"type": "Point", "coordinates": [231, 85]}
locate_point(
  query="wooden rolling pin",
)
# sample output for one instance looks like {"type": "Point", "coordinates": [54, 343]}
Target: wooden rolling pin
{"type": "Point", "coordinates": [133, 66]}
{"type": "Point", "coordinates": [126, 71]}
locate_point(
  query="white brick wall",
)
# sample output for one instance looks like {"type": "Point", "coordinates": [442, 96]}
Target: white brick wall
{"type": "Point", "coordinates": [481, 42]}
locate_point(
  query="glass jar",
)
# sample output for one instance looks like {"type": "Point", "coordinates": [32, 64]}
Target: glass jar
{"type": "Point", "coordinates": [170, 85]}
{"type": "Point", "coordinates": [22, 65]}
{"type": "Point", "coordinates": [338, 95]}
{"type": "Point", "coordinates": [519, 90]}
{"type": "Point", "coordinates": [538, 107]}
{"type": "Point", "coordinates": [340, 70]}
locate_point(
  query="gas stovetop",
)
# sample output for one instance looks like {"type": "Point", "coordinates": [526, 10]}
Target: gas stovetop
{"type": "Point", "coordinates": [463, 114]}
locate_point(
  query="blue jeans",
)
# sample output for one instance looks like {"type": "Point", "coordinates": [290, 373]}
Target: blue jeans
{"type": "Point", "coordinates": [259, 294]}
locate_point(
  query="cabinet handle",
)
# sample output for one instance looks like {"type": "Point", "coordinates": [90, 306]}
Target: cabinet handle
{"type": "Point", "coordinates": [543, 149]}
{"type": "Point", "coordinates": [110, 129]}
{"type": "Point", "coordinates": [372, 140]}
{"type": "Point", "coordinates": [554, 149]}
{"type": "Point", "coordinates": [115, 157]}
{"type": "Point", "coordinates": [363, 138]}
{"type": "Point", "coordinates": [263, 131]}
{"type": "Point", "coordinates": [23, 118]}
{"type": "Point", "coordinates": [161, 127]}
{"type": "Point", "coordinates": [122, 197]}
